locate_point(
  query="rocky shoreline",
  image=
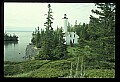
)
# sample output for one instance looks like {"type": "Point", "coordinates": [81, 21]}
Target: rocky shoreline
{"type": "Point", "coordinates": [31, 51]}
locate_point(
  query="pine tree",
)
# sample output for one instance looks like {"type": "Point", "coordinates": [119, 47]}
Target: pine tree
{"type": "Point", "coordinates": [56, 36]}
{"type": "Point", "coordinates": [68, 27]}
{"type": "Point", "coordinates": [102, 30]}
{"type": "Point", "coordinates": [77, 29]}
{"type": "Point", "coordinates": [38, 39]}
{"type": "Point", "coordinates": [49, 18]}
{"type": "Point", "coordinates": [48, 44]}
{"type": "Point", "coordinates": [60, 51]}
{"type": "Point", "coordinates": [51, 42]}
{"type": "Point", "coordinates": [82, 55]}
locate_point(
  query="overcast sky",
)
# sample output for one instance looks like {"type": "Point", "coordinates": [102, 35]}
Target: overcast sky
{"type": "Point", "coordinates": [28, 16]}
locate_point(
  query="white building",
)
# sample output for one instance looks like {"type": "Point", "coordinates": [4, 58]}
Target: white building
{"type": "Point", "coordinates": [69, 36]}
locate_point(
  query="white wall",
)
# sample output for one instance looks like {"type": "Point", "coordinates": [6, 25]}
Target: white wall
{"type": "Point", "coordinates": [64, 25]}
{"type": "Point", "coordinates": [68, 38]}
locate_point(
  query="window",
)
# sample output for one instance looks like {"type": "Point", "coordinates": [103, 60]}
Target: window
{"type": "Point", "coordinates": [73, 40]}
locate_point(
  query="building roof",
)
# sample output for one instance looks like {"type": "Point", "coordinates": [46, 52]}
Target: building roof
{"type": "Point", "coordinates": [68, 34]}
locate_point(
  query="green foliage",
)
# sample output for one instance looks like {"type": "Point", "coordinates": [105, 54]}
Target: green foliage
{"type": "Point", "coordinates": [42, 55]}
{"type": "Point", "coordinates": [103, 28]}
{"type": "Point", "coordinates": [60, 50]}
{"type": "Point", "coordinates": [96, 49]}
{"type": "Point", "coordinates": [36, 39]}
{"type": "Point", "coordinates": [68, 27]}
{"type": "Point", "coordinates": [99, 34]}
{"type": "Point", "coordinates": [91, 60]}
{"type": "Point", "coordinates": [40, 68]}
{"type": "Point", "coordinates": [50, 42]}
{"type": "Point", "coordinates": [100, 73]}
{"type": "Point", "coordinates": [10, 63]}
{"type": "Point", "coordinates": [56, 50]}
{"type": "Point", "coordinates": [49, 18]}
{"type": "Point", "coordinates": [10, 37]}
{"type": "Point", "coordinates": [53, 69]}
{"type": "Point", "coordinates": [23, 67]}
{"type": "Point", "coordinates": [49, 73]}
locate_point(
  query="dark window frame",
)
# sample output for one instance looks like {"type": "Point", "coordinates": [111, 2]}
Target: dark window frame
{"type": "Point", "coordinates": [73, 40]}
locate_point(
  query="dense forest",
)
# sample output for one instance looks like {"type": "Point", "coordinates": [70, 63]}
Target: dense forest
{"type": "Point", "coordinates": [98, 35]}
{"type": "Point", "coordinates": [51, 42]}
{"type": "Point", "coordinates": [95, 49]}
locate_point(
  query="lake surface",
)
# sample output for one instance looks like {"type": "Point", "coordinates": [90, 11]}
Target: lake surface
{"type": "Point", "coordinates": [15, 51]}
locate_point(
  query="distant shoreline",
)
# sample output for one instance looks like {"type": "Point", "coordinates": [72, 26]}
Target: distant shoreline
{"type": "Point", "coordinates": [18, 31]}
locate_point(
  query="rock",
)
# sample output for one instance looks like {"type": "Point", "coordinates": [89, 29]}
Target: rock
{"type": "Point", "coordinates": [31, 51]}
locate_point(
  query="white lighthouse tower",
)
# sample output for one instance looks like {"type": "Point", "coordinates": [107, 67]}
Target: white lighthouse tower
{"type": "Point", "coordinates": [69, 36]}
{"type": "Point", "coordinates": [65, 23]}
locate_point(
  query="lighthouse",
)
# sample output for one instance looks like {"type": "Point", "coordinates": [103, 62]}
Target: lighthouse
{"type": "Point", "coordinates": [69, 36]}
{"type": "Point", "coordinates": [65, 23]}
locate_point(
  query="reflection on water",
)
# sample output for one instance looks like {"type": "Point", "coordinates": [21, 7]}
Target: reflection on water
{"type": "Point", "coordinates": [15, 50]}
{"type": "Point", "coordinates": [6, 43]}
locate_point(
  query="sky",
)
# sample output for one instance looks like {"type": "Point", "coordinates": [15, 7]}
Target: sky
{"type": "Point", "coordinates": [28, 16]}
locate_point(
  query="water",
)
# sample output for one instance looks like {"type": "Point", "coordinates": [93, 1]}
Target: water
{"type": "Point", "coordinates": [15, 51]}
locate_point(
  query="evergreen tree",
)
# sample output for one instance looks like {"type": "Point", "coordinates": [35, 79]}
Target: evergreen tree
{"type": "Point", "coordinates": [102, 30]}
{"type": "Point", "coordinates": [56, 36]}
{"type": "Point", "coordinates": [38, 39]}
{"type": "Point", "coordinates": [83, 54]}
{"type": "Point", "coordinates": [48, 44]}
{"type": "Point", "coordinates": [78, 29]}
{"type": "Point", "coordinates": [68, 27]}
{"type": "Point", "coordinates": [61, 48]}
{"type": "Point", "coordinates": [33, 38]}
{"type": "Point", "coordinates": [49, 18]}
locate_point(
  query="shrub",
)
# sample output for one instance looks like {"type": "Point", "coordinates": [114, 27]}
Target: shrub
{"type": "Point", "coordinates": [24, 67]}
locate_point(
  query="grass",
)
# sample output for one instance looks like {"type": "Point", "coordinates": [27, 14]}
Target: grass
{"type": "Point", "coordinates": [21, 75]}
{"type": "Point", "coordinates": [100, 73]}
{"type": "Point", "coordinates": [23, 67]}
{"type": "Point", "coordinates": [59, 68]}
{"type": "Point", "coordinates": [71, 51]}
{"type": "Point", "coordinates": [53, 69]}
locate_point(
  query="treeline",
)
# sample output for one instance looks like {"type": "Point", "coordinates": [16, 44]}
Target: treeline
{"type": "Point", "coordinates": [97, 37]}
{"type": "Point", "coordinates": [99, 34]}
{"type": "Point", "coordinates": [10, 37]}
{"type": "Point", "coordinates": [51, 42]}
{"type": "Point", "coordinates": [94, 55]}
